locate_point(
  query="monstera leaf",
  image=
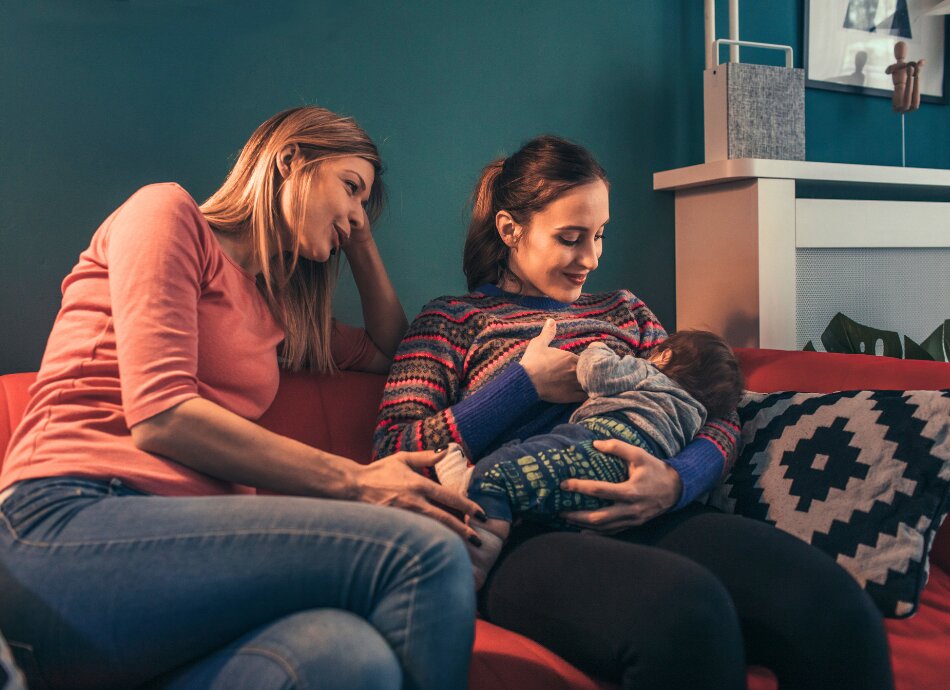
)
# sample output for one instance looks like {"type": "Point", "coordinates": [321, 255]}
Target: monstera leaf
{"type": "Point", "coordinates": [937, 344]}
{"type": "Point", "coordinates": [849, 336]}
{"type": "Point", "coordinates": [914, 351]}
{"type": "Point", "coordinates": [846, 335]}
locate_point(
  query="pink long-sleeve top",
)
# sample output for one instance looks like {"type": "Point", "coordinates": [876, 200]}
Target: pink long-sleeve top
{"type": "Point", "coordinates": [153, 314]}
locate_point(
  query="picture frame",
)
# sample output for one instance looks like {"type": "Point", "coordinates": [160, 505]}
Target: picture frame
{"type": "Point", "coordinates": [850, 43]}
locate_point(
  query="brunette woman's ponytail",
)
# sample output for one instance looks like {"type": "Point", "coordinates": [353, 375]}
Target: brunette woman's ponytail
{"type": "Point", "coordinates": [485, 255]}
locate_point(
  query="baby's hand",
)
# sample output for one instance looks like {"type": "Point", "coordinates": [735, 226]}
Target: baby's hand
{"type": "Point", "coordinates": [598, 343]}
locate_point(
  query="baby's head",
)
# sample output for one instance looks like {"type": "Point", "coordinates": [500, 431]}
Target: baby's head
{"type": "Point", "coordinates": [703, 364]}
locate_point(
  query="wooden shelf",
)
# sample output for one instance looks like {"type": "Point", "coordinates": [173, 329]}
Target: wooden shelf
{"type": "Point", "coordinates": [748, 168]}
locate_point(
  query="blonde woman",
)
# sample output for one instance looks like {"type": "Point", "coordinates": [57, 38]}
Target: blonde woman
{"type": "Point", "coordinates": [132, 547]}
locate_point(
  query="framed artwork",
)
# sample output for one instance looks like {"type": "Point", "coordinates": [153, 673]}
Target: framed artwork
{"type": "Point", "coordinates": [849, 44]}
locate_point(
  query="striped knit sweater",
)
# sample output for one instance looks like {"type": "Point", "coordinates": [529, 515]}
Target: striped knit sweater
{"type": "Point", "coordinates": [456, 376]}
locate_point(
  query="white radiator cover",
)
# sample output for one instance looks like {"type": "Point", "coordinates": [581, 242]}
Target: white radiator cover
{"type": "Point", "coordinates": [902, 289]}
{"type": "Point", "coordinates": [766, 261]}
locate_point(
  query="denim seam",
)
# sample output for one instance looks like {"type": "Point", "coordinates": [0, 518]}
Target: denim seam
{"type": "Point", "coordinates": [279, 659]}
{"type": "Point", "coordinates": [412, 606]}
{"type": "Point", "coordinates": [177, 537]}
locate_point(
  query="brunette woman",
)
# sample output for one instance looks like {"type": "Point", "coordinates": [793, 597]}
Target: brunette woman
{"type": "Point", "coordinates": [682, 596]}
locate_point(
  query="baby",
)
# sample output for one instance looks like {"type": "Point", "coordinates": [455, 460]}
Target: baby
{"type": "Point", "coordinates": [657, 403]}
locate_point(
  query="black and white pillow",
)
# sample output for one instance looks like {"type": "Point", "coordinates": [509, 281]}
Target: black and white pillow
{"type": "Point", "coordinates": [862, 475]}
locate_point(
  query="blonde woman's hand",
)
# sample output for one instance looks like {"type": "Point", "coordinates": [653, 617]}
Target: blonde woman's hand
{"type": "Point", "coordinates": [393, 481]}
{"type": "Point", "coordinates": [360, 233]}
{"type": "Point", "coordinates": [552, 371]}
{"type": "Point", "coordinates": [652, 487]}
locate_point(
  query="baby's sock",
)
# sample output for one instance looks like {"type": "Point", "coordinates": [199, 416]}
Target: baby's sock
{"type": "Point", "coordinates": [455, 474]}
{"type": "Point", "coordinates": [493, 534]}
{"type": "Point", "coordinates": [453, 470]}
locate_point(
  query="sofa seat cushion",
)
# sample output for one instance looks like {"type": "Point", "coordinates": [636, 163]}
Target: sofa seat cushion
{"type": "Point", "coordinates": [503, 660]}
{"type": "Point", "coordinates": [919, 644]}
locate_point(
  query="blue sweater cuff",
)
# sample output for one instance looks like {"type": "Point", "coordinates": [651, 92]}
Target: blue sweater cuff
{"type": "Point", "coordinates": [487, 412]}
{"type": "Point", "coordinates": [699, 466]}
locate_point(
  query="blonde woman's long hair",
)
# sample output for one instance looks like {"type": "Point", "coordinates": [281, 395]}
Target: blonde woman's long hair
{"type": "Point", "coordinates": [299, 292]}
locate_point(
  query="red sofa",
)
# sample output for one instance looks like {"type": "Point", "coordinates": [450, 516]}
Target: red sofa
{"type": "Point", "coordinates": [338, 413]}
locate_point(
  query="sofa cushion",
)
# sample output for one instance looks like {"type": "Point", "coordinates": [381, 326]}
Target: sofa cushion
{"type": "Point", "coordinates": [862, 475]}
{"type": "Point", "coordinates": [919, 644]}
{"type": "Point", "coordinates": [14, 396]}
{"type": "Point", "coordinates": [334, 413]}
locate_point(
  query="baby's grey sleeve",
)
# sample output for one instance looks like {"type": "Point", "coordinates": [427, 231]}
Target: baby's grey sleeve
{"type": "Point", "coordinates": [601, 372]}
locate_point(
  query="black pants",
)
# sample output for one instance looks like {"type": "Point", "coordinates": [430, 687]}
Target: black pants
{"type": "Point", "coordinates": [686, 601]}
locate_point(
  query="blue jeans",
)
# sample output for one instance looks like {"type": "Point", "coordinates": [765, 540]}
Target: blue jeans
{"type": "Point", "coordinates": [105, 587]}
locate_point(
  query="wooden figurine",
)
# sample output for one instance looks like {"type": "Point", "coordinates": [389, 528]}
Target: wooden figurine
{"type": "Point", "coordinates": [906, 77]}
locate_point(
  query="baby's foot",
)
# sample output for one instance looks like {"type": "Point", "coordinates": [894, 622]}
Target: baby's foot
{"type": "Point", "coordinates": [454, 471]}
{"type": "Point", "coordinates": [493, 534]}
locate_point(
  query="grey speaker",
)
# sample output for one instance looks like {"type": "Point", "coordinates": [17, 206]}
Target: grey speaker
{"type": "Point", "coordinates": [754, 111]}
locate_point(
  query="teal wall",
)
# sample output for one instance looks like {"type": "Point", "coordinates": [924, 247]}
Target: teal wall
{"type": "Point", "coordinates": [98, 97]}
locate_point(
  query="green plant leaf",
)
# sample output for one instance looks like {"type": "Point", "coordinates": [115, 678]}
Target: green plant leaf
{"type": "Point", "coordinates": [809, 347]}
{"type": "Point", "coordinates": [914, 351]}
{"type": "Point", "coordinates": [934, 343]}
{"type": "Point", "coordinates": [845, 335]}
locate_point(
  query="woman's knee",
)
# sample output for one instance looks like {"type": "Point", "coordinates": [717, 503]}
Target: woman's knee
{"type": "Point", "coordinates": [693, 611]}
{"type": "Point", "coordinates": [434, 545]}
{"type": "Point", "coordinates": [693, 637]}
{"type": "Point", "coordinates": [336, 648]}
{"type": "Point", "coordinates": [322, 648]}
{"type": "Point", "coordinates": [434, 565]}
{"type": "Point", "coordinates": [807, 590]}
{"type": "Point", "coordinates": [826, 607]}
{"type": "Point", "coordinates": [640, 615]}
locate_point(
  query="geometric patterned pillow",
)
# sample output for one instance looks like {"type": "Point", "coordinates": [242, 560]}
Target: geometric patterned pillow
{"type": "Point", "coordinates": [862, 475]}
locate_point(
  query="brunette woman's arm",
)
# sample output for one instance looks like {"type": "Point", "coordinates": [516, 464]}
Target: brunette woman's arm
{"type": "Point", "coordinates": [424, 403]}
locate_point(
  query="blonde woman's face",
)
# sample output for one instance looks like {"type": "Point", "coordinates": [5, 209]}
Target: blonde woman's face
{"type": "Point", "coordinates": [335, 207]}
{"type": "Point", "coordinates": [561, 245]}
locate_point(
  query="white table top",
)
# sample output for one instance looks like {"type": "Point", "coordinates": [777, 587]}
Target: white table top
{"type": "Point", "coordinates": [745, 168]}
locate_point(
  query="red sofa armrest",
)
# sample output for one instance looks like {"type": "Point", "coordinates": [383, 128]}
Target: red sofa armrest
{"type": "Point", "coordinates": [823, 372]}
{"type": "Point", "coordinates": [14, 396]}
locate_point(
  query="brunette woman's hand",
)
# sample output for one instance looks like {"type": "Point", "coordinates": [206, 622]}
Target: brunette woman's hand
{"type": "Point", "coordinates": [652, 488]}
{"type": "Point", "coordinates": [552, 371]}
{"type": "Point", "coordinates": [393, 481]}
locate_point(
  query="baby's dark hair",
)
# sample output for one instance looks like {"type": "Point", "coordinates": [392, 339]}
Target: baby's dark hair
{"type": "Point", "coordinates": [703, 364]}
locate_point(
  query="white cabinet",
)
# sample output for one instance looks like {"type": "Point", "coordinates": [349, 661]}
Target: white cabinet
{"type": "Point", "coordinates": [762, 264]}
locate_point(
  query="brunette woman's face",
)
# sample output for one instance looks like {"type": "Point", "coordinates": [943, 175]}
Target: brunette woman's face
{"type": "Point", "coordinates": [554, 253]}
{"type": "Point", "coordinates": [335, 206]}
